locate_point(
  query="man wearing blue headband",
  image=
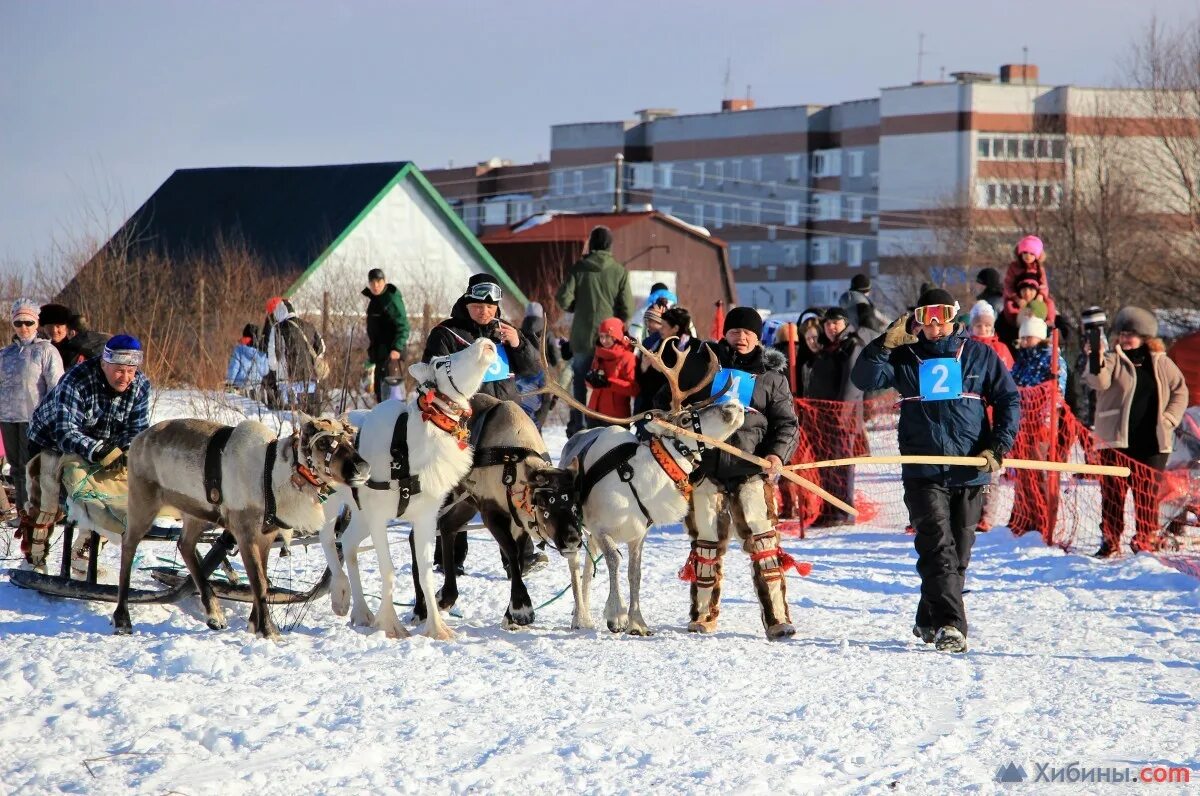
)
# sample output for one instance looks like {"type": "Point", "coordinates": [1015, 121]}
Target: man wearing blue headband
{"type": "Point", "coordinates": [97, 409]}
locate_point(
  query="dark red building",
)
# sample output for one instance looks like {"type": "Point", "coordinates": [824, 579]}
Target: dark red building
{"type": "Point", "coordinates": [654, 247]}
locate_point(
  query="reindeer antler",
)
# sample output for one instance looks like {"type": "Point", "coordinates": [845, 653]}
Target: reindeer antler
{"type": "Point", "coordinates": [678, 396]}
{"type": "Point", "coordinates": [554, 388]}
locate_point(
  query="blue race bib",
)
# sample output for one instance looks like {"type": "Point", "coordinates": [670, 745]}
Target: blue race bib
{"type": "Point", "coordinates": [940, 379]}
{"type": "Point", "coordinates": [499, 369]}
{"type": "Point", "coordinates": [741, 386]}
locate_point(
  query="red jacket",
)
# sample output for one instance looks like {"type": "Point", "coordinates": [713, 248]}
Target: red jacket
{"type": "Point", "coordinates": [1000, 348]}
{"type": "Point", "coordinates": [1017, 271]}
{"type": "Point", "coordinates": [620, 366]}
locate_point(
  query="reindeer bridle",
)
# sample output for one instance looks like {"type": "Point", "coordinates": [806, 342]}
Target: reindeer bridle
{"type": "Point", "coordinates": [444, 412]}
{"type": "Point", "coordinates": [306, 469]}
{"type": "Point", "coordinates": [531, 499]}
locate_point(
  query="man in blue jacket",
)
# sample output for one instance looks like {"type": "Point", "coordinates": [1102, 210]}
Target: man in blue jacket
{"type": "Point", "coordinates": [947, 382]}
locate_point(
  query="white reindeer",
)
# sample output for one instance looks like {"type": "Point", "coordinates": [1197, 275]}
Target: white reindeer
{"type": "Point", "coordinates": [629, 484]}
{"type": "Point", "coordinates": [438, 456]}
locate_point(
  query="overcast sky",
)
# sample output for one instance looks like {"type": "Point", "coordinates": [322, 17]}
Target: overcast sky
{"type": "Point", "coordinates": [101, 101]}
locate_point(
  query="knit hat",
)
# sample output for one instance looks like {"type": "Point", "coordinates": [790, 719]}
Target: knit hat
{"type": "Point", "coordinates": [52, 314]}
{"type": "Point", "coordinates": [25, 308]}
{"type": "Point", "coordinates": [534, 310]}
{"type": "Point", "coordinates": [834, 314]}
{"type": "Point", "coordinates": [989, 278]}
{"type": "Point", "coordinates": [1034, 327]}
{"type": "Point", "coordinates": [983, 310]}
{"type": "Point", "coordinates": [743, 318]}
{"type": "Point", "coordinates": [1038, 309]}
{"type": "Point", "coordinates": [283, 310]}
{"type": "Point", "coordinates": [1029, 281]}
{"type": "Point", "coordinates": [124, 349]}
{"type": "Point", "coordinates": [1137, 320]}
{"type": "Point", "coordinates": [653, 315]}
{"type": "Point", "coordinates": [600, 239]}
{"type": "Point", "coordinates": [272, 303]}
{"type": "Point", "coordinates": [1030, 244]}
{"type": "Point", "coordinates": [934, 295]}
{"type": "Point", "coordinates": [612, 326]}
{"type": "Point", "coordinates": [861, 283]}
{"type": "Point", "coordinates": [1093, 316]}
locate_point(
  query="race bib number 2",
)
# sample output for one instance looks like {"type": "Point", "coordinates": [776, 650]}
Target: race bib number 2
{"type": "Point", "coordinates": [940, 379]}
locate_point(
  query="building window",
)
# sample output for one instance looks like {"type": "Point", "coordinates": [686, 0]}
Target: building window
{"type": "Point", "coordinates": [827, 163]}
{"type": "Point", "coordinates": [854, 253]}
{"type": "Point", "coordinates": [698, 215]}
{"type": "Point", "coordinates": [985, 147]}
{"type": "Point", "coordinates": [789, 254]}
{"type": "Point", "coordinates": [642, 176]}
{"type": "Point", "coordinates": [610, 179]}
{"type": "Point", "coordinates": [495, 214]}
{"type": "Point", "coordinates": [829, 207]}
{"type": "Point", "coordinates": [756, 212]}
{"type": "Point", "coordinates": [719, 172]}
{"type": "Point", "coordinates": [792, 162]}
{"type": "Point", "coordinates": [577, 182]}
{"type": "Point", "coordinates": [819, 253]}
{"type": "Point", "coordinates": [1078, 157]}
{"type": "Point", "coordinates": [791, 213]}
{"type": "Point", "coordinates": [735, 170]}
{"type": "Point", "coordinates": [772, 272]}
{"type": "Point", "coordinates": [1018, 194]}
{"type": "Point", "coordinates": [756, 169]}
{"type": "Point", "coordinates": [754, 251]}
{"type": "Point", "coordinates": [718, 221]}
{"type": "Point", "coordinates": [735, 254]}
{"type": "Point", "coordinates": [700, 174]}
{"type": "Point", "coordinates": [854, 208]}
{"type": "Point", "coordinates": [556, 185]}
{"type": "Point", "coordinates": [664, 175]}
{"type": "Point", "coordinates": [856, 157]}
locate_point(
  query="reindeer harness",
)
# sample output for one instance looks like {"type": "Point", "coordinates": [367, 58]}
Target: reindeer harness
{"type": "Point", "coordinates": [436, 409]}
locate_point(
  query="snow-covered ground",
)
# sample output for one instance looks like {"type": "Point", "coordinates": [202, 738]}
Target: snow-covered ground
{"type": "Point", "coordinates": [1073, 660]}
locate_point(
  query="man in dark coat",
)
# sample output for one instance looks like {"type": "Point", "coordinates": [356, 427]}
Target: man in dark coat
{"type": "Point", "coordinates": [947, 382]}
{"type": "Point", "coordinates": [734, 493]}
{"type": "Point", "coordinates": [596, 288]}
{"type": "Point", "coordinates": [477, 314]}
{"type": "Point", "coordinates": [387, 326]}
{"type": "Point", "coordinates": [993, 289]}
{"type": "Point", "coordinates": [55, 323]}
{"type": "Point", "coordinates": [859, 308]}
{"type": "Point", "coordinates": [82, 343]}
{"type": "Point", "coordinates": [840, 423]}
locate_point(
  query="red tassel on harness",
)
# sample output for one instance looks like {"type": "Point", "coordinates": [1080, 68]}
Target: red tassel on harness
{"type": "Point", "coordinates": [688, 573]}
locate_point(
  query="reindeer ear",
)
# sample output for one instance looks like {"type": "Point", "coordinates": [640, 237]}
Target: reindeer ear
{"type": "Point", "coordinates": [421, 371]}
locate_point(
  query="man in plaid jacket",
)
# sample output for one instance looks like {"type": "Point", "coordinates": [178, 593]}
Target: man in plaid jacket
{"type": "Point", "coordinates": [97, 409]}
{"type": "Point", "coordinates": [89, 418]}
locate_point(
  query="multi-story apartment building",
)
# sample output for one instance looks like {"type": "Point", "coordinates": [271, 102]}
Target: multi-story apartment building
{"type": "Point", "coordinates": [806, 195]}
{"type": "Point", "coordinates": [493, 193]}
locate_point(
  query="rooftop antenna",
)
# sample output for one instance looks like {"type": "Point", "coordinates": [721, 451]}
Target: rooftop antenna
{"type": "Point", "coordinates": [728, 77]}
{"type": "Point", "coordinates": [942, 74]}
{"type": "Point", "coordinates": [920, 54]}
{"type": "Point", "coordinates": [1025, 63]}
{"type": "Point", "coordinates": [747, 91]}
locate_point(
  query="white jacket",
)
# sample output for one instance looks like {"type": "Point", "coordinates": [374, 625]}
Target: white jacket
{"type": "Point", "coordinates": [27, 372]}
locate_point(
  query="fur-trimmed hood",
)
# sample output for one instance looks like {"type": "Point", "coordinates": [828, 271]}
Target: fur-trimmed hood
{"type": "Point", "coordinates": [774, 359]}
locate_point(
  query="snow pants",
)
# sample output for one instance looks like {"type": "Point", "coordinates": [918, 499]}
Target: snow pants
{"type": "Point", "coordinates": [944, 519]}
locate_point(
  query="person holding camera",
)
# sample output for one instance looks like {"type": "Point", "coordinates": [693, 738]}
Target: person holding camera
{"type": "Point", "coordinates": [476, 314]}
{"type": "Point", "coordinates": [613, 375]}
{"type": "Point", "coordinates": [1140, 399]}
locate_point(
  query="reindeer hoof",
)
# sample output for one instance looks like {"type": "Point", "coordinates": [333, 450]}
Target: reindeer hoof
{"type": "Point", "coordinates": [121, 624]}
{"type": "Point", "coordinates": [640, 630]}
{"type": "Point", "coordinates": [780, 631]}
{"type": "Point", "coordinates": [217, 623]}
{"type": "Point", "coordinates": [583, 624]}
{"type": "Point", "coordinates": [339, 597]}
{"type": "Point", "coordinates": [619, 624]}
{"type": "Point", "coordinates": [709, 626]}
{"type": "Point", "coordinates": [519, 617]}
{"type": "Point", "coordinates": [439, 633]}
{"type": "Point", "coordinates": [361, 616]}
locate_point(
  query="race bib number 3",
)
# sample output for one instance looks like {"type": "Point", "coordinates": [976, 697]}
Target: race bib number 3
{"type": "Point", "coordinates": [940, 379]}
{"type": "Point", "coordinates": [499, 369]}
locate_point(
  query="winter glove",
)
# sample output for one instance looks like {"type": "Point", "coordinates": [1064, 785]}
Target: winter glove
{"type": "Point", "coordinates": [564, 348]}
{"type": "Point", "coordinates": [994, 461]}
{"type": "Point", "coordinates": [897, 334]}
{"type": "Point", "coordinates": [597, 379]}
{"type": "Point", "coordinates": [107, 454]}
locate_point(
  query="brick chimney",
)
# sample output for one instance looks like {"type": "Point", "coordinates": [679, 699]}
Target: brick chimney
{"type": "Point", "coordinates": [1019, 73]}
{"type": "Point", "coordinates": [729, 105]}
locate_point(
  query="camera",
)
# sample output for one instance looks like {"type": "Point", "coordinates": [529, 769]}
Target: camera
{"type": "Point", "coordinates": [596, 378]}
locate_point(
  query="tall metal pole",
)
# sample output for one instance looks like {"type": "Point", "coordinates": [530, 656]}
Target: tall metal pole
{"type": "Point", "coordinates": [619, 183]}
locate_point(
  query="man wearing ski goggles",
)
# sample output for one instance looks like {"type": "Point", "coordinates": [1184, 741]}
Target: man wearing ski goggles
{"type": "Point", "coordinates": [485, 292]}
{"type": "Point", "coordinates": [956, 399]}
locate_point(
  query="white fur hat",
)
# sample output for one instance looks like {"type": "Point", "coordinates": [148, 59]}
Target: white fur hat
{"type": "Point", "coordinates": [983, 309]}
{"type": "Point", "coordinates": [1033, 326]}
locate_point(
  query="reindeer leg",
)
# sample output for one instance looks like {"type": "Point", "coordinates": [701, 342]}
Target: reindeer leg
{"type": "Point", "coordinates": [339, 584]}
{"type": "Point", "coordinates": [255, 547]}
{"type": "Point", "coordinates": [424, 528]}
{"type": "Point", "coordinates": [582, 619]}
{"type": "Point", "coordinates": [192, 528]}
{"type": "Point", "coordinates": [614, 607]}
{"type": "Point", "coordinates": [419, 609]}
{"type": "Point", "coordinates": [448, 594]}
{"type": "Point", "coordinates": [360, 612]}
{"type": "Point", "coordinates": [386, 619]}
{"type": "Point", "coordinates": [520, 607]}
{"type": "Point", "coordinates": [144, 503]}
{"type": "Point", "coordinates": [637, 625]}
